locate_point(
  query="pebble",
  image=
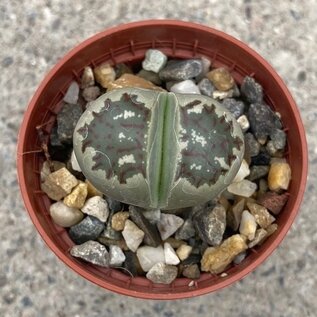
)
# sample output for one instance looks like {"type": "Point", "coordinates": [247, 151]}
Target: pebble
{"type": "Point", "coordinates": [153, 216]}
{"type": "Point", "coordinates": [150, 76]}
{"type": "Point", "coordinates": [168, 225]}
{"type": "Point", "coordinates": [243, 172]}
{"type": "Point", "coordinates": [170, 255]}
{"type": "Point", "coordinates": [216, 259]}
{"type": "Point", "coordinates": [210, 224]}
{"type": "Point", "coordinates": [97, 207]}
{"type": "Point", "coordinates": [221, 78]}
{"type": "Point", "coordinates": [252, 146]}
{"type": "Point", "coordinates": [278, 138]}
{"type": "Point", "coordinates": [185, 87]}
{"type": "Point", "coordinates": [205, 87]}
{"type": "Point", "coordinates": [279, 176]}
{"type": "Point", "coordinates": [184, 251]}
{"type": "Point", "coordinates": [245, 188]}
{"type": "Point", "coordinates": [191, 271]}
{"type": "Point", "coordinates": [104, 74]}
{"type": "Point", "coordinates": [87, 78]}
{"type": "Point", "coordinates": [234, 214]}
{"type": "Point", "coordinates": [162, 273]}
{"type": "Point", "coordinates": [67, 119]}
{"type": "Point", "coordinates": [186, 231]}
{"type": "Point", "coordinates": [262, 120]}
{"type": "Point", "coordinates": [248, 225]}
{"type": "Point", "coordinates": [271, 229]}
{"type": "Point", "coordinates": [109, 232]}
{"type": "Point", "coordinates": [92, 190]}
{"type": "Point", "coordinates": [132, 235]}
{"type": "Point", "coordinates": [45, 171]}
{"type": "Point", "coordinates": [258, 171]}
{"type": "Point", "coordinates": [270, 148]}
{"type": "Point", "coordinates": [218, 94]}
{"type": "Point", "coordinates": [193, 258]}
{"type": "Point", "coordinates": [149, 256]}
{"type": "Point", "coordinates": [240, 257]}
{"type": "Point", "coordinates": [129, 80]}
{"type": "Point", "coordinates": [65, 216]}
{"type": "Point", "coordinates": [109, 242]}
{"type": "Point", "coordinates": [261, 215]}
{"type": "Point", "coordinates": [236, 107]}
{"type": "Point", "coordinates": [118, 220]}
{"type": "Point", "coordinates": [117, 256]}
{"type": "Point", "coordinates": [151, 234]}
{"type": "Point", "coordinates": [273, 202]}
{"type": "Point", "coordinates": [175, 243]}
{"type": "Point", "coordinates": [181, 69]}
{"type": "Point", "coordinates": [263, 187]}
{"type": "Point", "coordinates": [263, 158]}
{"type": "Point", "coordinates": [205, 68]}
{"type": "Point", "coordinates": [91, 93]}
{"type": "Point", "coordinates": [114, 205]}
{"type": "Point", "coordinates": [88, 229]}
{"type": "Point", "coordinates": [154, 60]}
{"type": "Point", "coordinates": [244, 123]}
{"type": "Point", "coordinates": [91, 251]}
{"type": "Point", "coordinates": [132, 264]}
{"type": "Point", "coordinates": [251, 90]}
{"type": "Point", "coordinates": [74, 162]}
{"type": "Point", "coordinates": [59, 184]}
{"type": "Point", "coordinates": [121, 69]}
{"type": "Point", "coordinates": [77, 197]}
{"type": "Point", "coordinates": [260, 235]}
{"type": "Point", "coordinates": [72, 93]}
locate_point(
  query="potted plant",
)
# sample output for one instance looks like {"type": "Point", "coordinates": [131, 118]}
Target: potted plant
{"type": "Point", "coordinates": [128, 43]}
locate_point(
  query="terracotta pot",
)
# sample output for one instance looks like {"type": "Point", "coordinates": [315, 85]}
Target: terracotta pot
{"type": "Point", "coordinates": [128, 43]}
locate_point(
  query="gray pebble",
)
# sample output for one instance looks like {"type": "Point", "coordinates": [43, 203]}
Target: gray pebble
{"type": "Point", "coordinates": [186, 231]}
{"type": "Point", "coordinates": [251, 90]}
{"type": "Point", "coordinates": [263, 158]}
{"type": "Point", "coordinates": [206, 87]}
{"type": "Point", "coordinates": [114, 205]}
{"type": "Point", "coordinates": [258, 171]}
{"type": "Point", "coordinates": [67, 119]}
{"type": "Point", "coordinates": [154, 60]}
{"type": "Point", "coordinates": [162, 273]}
{"type": "Point", "coordinates": [91, 251]}
{"type": "Point", "coordinates": [251, 144]}
{"type": "Point", "coordinates": [150, 76]}
{"type": "Point", "coordinates": [262, 120]}
{"type": "Point", "coordinates": [210, 224]}
{"type": "Point", "coordinates": [236, 107]}
{"type": "Point", "coordinates": [278, 138]}
{"type": "Point", "coordinates": [88, 229]}
{"type": "Point", "coordinates": [181, 70]}
{"type": "Point", "coordinates": [91, 93]}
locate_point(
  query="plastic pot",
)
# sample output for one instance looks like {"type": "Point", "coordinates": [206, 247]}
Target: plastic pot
{"type": "Point", "coordinates": [128, 43]}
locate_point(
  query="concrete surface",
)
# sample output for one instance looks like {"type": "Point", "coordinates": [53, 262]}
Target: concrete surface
{"type": "Point", "coordinates": [34, 35]}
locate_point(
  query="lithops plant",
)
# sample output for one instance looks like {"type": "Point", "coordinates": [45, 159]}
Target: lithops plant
{"type": "Point", "coordinates": [158, 149]}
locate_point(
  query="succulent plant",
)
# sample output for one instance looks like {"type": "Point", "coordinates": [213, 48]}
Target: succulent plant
{"type": "Point", "coordinates": [158, 149]}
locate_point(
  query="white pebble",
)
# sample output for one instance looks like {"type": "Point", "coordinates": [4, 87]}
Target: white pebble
{"type": "Point", "coordinates": [185, 87]}
{"type": "Point", "coordinates": [132, 235]}
{"type": "Point", "coordinates": [243, 172]}
{"type": "Point", "coordinates": [154, 60]}
{"type": "Point", "coordinates": [244, 123]}
{"type": "Point", "coordinates": [72, 93]}
{"type": "Point", "coordinates": [153, 216]}
{"type": "Point", "coordinates": [149, 256]}
{"type": "Point", "coordinates": [74, 162]}
{"type": "Point", "coordinates": [65, 216]}
{"type": "Point", "coordinates": [170, 255]}
{"type": "Point", "coordinates": [98, 207]}
{"type": "Point", "coordinates": [248, 225]}
{"type": "Point", "coordinates": [244, 188]}
{"type": "Point", "coordinates": [117, 256]}
{"type": "Point", "coordinates": [168, 225]}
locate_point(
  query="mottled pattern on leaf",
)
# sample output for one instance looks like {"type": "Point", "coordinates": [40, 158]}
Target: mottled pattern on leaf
{"type": "Point", "coordinates": [208, 144]}
{"type": "Point", "coordinates": [118, 134]}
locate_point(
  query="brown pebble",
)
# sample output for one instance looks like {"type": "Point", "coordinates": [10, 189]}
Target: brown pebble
{"type": "Point", "coordinates": [104, 74]}
{"type": "Point", "coordinates": [77, 198]}
{"type": "Point", "coordinates": [191, 271]}
{"type": "Point", "coordinates": [221, 78]}
{"type": "Point", "coordinates": [118, 220]}
{"type": "Point", "coordinates": [279, 176]}
{"type": "Point", "coordinates": [261, 215]}
{"type": "Point", "coordinates": [273, 201]}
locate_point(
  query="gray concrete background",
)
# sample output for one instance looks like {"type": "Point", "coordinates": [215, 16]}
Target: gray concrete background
{"type": "Point", "coordinates": [34, 35]}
